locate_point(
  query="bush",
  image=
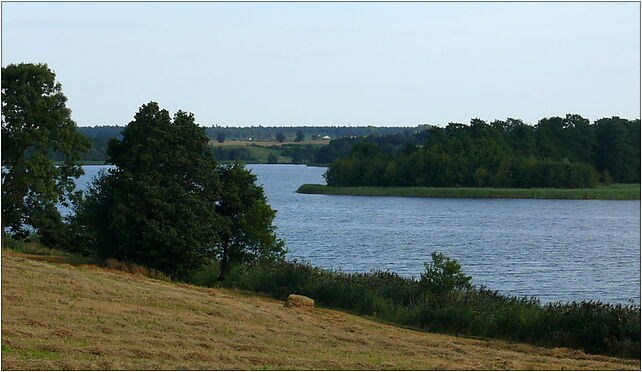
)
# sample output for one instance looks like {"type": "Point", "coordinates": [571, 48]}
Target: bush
{"type": "Point", "coordinates": [132, 268]}
{"type": "Point", "coordinates": [30, 245]}
{"type": "Point", "coordinates": [444, 301]}
{"type": "Point", "coordinates": [443, 275]}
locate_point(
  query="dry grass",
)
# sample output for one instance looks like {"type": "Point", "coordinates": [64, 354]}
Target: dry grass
{"type": "Point", "coordinates": [56, 316]}
{"type": "Point", "coordinates": [269, 143]}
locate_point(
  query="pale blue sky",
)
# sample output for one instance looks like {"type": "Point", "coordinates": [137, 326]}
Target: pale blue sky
{"type": "Point", "coordinates": [334, 63]}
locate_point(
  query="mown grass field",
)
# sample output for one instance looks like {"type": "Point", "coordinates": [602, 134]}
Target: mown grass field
{"type": "Point", "coordinates": [620, 191]}
{"type": "Point", "coordinates": [85, 162]}
{"type": "Point", "coordinates": [260, 153]}
{"type": "Point", "coordinates": [59, 316]}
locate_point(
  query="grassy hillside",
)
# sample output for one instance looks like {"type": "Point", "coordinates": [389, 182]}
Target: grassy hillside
{"type": "Point", "coordinates": [57, 316]}
{"type": "Point", "coordinates": [619, 191]}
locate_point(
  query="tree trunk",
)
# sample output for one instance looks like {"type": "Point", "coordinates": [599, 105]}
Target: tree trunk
{"type": "Point", "coordinates": [224, 259]}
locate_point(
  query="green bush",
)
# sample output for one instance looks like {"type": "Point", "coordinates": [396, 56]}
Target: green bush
{"type": "Point", "coordinates": [444, 301]}
{"type": "Point", "coordinates": [30, 245]}
{"type": "Point", "coordinates": [443, 275]}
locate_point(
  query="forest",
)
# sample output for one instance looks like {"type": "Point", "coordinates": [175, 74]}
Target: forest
{"type": "Point", "coordinates": [567, 152]}
{"type": "Point", "coordinates": [100, 135]}
{"type": "Point", "coordinates": [560, 152]}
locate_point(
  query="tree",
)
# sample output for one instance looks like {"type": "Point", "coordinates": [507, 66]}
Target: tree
{"type": "Point", "coordinates": [299, 136]}
{"type": "Point", "coordinates": [272, 158]}
{"type": "Point", "coordinates": [443, 275]}
{"type": "Point", "coordinates": [158, 207]}
{"type": "Point", "coordinates": [248, 232]}
{"type": "Point", "coordinates": [35, 122]}
{"type": "Point", "coordinates": [220, 137]}
{"type": "Point", "coordinates": [280, 137]}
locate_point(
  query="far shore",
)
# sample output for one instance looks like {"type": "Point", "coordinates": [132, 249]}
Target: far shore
{"type": "Point", "coordinates": [618, 191]}
{"type": "Point", "coordinates": [100, 162]}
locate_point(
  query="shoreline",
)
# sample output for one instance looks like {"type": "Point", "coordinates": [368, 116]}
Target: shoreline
{"type": "Point", "coordinates": [265, 334]}
{"type": "Point", "coordinates": [612, 192]}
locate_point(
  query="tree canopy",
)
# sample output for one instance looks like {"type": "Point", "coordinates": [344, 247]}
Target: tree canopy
{"type": "Point", "coordinates": [168, 204]}
{"type": "Point", "coordinates": [156, 207]}
{"type": "Point", "coordinates": [558, 152]}
{"type": "Point", "coordinates": [35, 123]}
{"type": "Point", "coordinates": [247, 231]}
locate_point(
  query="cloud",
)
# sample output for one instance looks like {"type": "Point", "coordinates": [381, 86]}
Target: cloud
{"type": "Point", "coordinates": [331, 27]}
{"type": "Point", "coordinates": [75, 24]}
{"type": "Point", "coordinates": [328, 27]}
{"type": "Point", "coordinates": [420, 83]}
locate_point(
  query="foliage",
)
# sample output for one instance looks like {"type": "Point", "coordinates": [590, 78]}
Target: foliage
{"type": "Point", "coordinates": [100, 135]}
{"type": "Point", "coordinates": [558, 152]}
{"type": "Point", "coordinates": [610, 145]}
{"type": "Point", "coordinates": [220, 137]}
{"type": "Point", "coordinates": [268, 133]}
{"type": "Point", "coordinates": [132, 268]}
{"type": "Point", "coordinates": [280, 137]}
{"type": "Point", "coordinates": [247, 232]}
{"type": "Point", "coordinates": [594, 327]}
{"type": "Point", "coordinates": [156, 207]}
{"type": "Point", "coordinates": [29, 245]}
{"type": "Point", "coordinates": [443, 275]}
{"type": "Point", "coordinates": [36, 122]}
{"type": "Point", "coordinates": [234, 153]}
{"type": "Point", "coordinates": [299, 136]}
{"type": "Point", "coordinates": [616, 191]}
{"type": "Point", "coordinates": [169, 206]}
{"type": "Point", "coordinates": [272, 158]}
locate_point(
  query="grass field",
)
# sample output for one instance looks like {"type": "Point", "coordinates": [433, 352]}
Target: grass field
{"type": "Point", "coordinates": [85, 162]}
{"type": "Point", "coordinates": [59, 316]}
{"type": "Point", "coordinates": [260, 153]}
{"type": "Point", "coordinates": [620, 191]}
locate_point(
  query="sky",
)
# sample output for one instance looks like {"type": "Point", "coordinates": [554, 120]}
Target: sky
{"type": "Point", "coordinates": [287, 64]}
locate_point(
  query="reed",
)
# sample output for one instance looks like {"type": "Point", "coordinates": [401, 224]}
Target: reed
{"type": "Point", "coordinates": [613, 192]}
{"type": "Point", "coordinates": [595, 327]}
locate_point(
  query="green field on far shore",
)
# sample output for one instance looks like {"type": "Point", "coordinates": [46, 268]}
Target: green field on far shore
{"type": "Point", "coordinates": [85, 162]}
{"type": "Point", "coordinates": [618, 191]}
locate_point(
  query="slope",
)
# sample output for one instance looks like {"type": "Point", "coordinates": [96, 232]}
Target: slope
{"type": "Point", "coordinates": [57, 316]}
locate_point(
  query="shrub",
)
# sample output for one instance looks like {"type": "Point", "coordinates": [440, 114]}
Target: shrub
{"type": "Point", "coordinates": [443, 300]}
{"type": "Point", "coordinates": [443, 275]}
{"type": "Point", "coordinates": [132, 268]}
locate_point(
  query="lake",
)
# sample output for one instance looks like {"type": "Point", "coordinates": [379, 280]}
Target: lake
{"type": "Point", "coordinates": [556, 250]}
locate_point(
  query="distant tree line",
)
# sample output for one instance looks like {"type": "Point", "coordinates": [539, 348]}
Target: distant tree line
{"type": "Point", "coordinates": [261, 133]}
{"type": "Point", "coordinates": [99, 137]}
{"type": "Point", "coordinates": [234, 154]}
{"type": "Point", "coordinates": [559, 152]}
{"type": "Point", "coordinates": [298, 133]}
{"type": "Point", "coordinates": [388, 144]}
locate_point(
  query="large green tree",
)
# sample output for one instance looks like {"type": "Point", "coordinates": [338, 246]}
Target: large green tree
{"type": "Point", "coordinates": [156, 207]}
{"type": "Point", "coordinates": [35, 122]}
{"type": "Point", "coordinates": [168, 205]}
{"type": "Point", "coordinates": [247, 232]}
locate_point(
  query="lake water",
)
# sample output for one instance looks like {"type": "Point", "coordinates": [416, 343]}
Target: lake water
{"type": "Point", "coordinates": [551, 249]}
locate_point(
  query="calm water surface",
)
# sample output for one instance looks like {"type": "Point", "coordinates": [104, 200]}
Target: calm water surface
{"type": "Point", "coordinates": [551, 249]}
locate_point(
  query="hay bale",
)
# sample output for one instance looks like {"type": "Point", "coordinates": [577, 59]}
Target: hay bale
{"type": "Point", "coordinates": [298, 301]}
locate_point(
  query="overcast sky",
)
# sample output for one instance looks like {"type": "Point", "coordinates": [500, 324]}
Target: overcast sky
{"type": "Point", "coordinates": [334, 63]}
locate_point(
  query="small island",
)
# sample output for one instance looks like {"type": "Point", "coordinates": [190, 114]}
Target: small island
{"type": "Point", "coordinates": [559, 158]}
